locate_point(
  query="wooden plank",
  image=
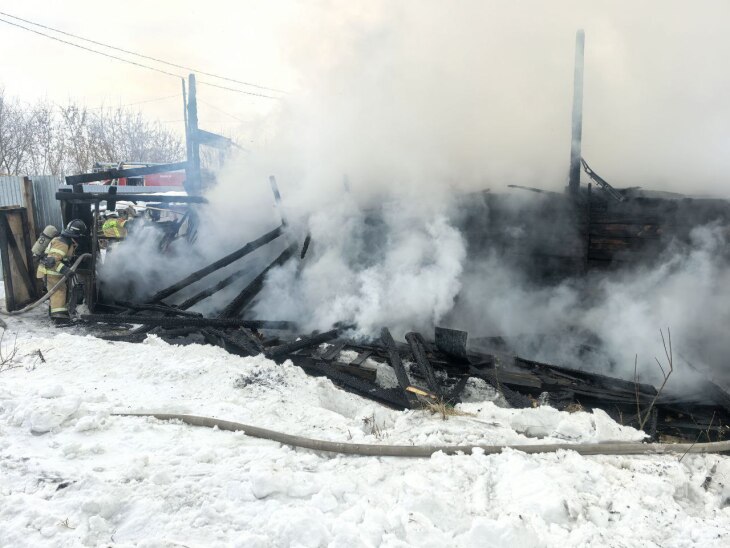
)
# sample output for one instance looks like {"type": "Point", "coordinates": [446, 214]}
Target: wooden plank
{"type": "Point", "coordinates": [90, 197]}
{"type": "Point", "coordinates": [361, 357]}
{"type": "Point", "coordinates": [333, 351]}
{"type": "Point", "coordinates": [10, 304]}
{"type": "Point", "coordinates": [418, 348]}
{"type": "Point", "coordinates": [29, 202]}
{"type": "Point", "coordinates": [19, 265]}
{"type": "Point", "coordinates": [395, 362]}
{"type": "Point", "coordinates": [621, 230]}
{"type": "Point", "coordinates": [247, 294]}
{"type": "Point", "coordinates": [124, 173]}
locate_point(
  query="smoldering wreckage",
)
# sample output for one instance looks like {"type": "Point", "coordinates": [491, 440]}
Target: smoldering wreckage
{"type": "Point", "coordinates": [595, 230]}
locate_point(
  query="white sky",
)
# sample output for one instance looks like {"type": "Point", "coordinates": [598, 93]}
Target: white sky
{"type": "Point", "coordinates": [238, 39]}
{"type": "Point", "coordinates": [483, 85]}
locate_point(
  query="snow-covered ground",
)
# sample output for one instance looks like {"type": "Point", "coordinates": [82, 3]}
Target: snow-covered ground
{"type": "Point", "coordinates": [72, 475]}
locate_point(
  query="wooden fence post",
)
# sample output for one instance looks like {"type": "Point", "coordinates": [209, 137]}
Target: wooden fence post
{"type": "Point", "coordinates": [29, 203]}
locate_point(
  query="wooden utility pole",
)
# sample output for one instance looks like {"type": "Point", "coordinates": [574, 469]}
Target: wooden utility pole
{"type": "Point", "coordinates": [192, 183]}
{"type": "Point", "coordinates": [577, 126]}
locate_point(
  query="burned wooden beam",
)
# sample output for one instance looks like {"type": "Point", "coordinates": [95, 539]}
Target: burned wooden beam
{"type": "Point", "coordinates": [157, 308]}
{"type": "Point", "coordinates": [451, 342]}
{"type": "Point", "coordinates": [362, 357]}
{"type": "Point", "coordinates": [135, 335]}
{"type": "Point", "coordinates": [333, 351]}
{"type": "Point", "coordinates": [577, 121]}
{"type": "Point", "coordinates": [418, 348]}
{"type": "Point", "coordinates": [217, 265]}
{"type": "Point", "coordinates": [167, 322]}
{"type": "Point", "coordinates": [387, 396]}
{"type": "Point", "coordinates": [304, 342]}
{"type": "Point", "coordinates": [232, 340]}
{"type": "Point", "coordinates": [395, 362]}
{"type": "Point", "coordinates": [91, 197]}
{"type": "Point", "coordinates": [123, 173]}
{"type": "Point", "coordinates": [212, 290]}
{"type": "Point", "coordinates": [252, 289]}
{"type": "Point", "coordinates": [306, 362]}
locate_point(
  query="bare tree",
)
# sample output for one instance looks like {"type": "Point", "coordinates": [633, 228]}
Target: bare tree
{"type": "Point", "coordinates": [47, 139]}
{"type": "Point", "coordinates": [16, 135]}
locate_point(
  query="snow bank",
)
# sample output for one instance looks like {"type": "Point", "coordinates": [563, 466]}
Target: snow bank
{"type": "Point", "coordinates": [74, 475]}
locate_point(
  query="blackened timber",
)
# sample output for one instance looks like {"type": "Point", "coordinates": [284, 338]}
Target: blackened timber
{"type": "Point", "coordinates": [395, 362]}
{"type": "Point", "coordinates": [252, 289]}
{"type": "Point", "coordinates": [361, 357]}
{"type": "Point", "coordinates": [118, 319]}
{"type": "Point", "coordinates": [454, 396]}
{"type": "Point", "coordinates": [306, 362]}
{"type": "Point", "coordinates": [217, 265]}
{"type": "Point", "coordinates": [387, 396]}
{"type": "Point", "coordinates": [304, 342]}
{"type": "Point", "coordinates": [158, 308]}
{"type": "Point", "coordinates": [121, 173]}
{"type": "Point", "coordinates": [332, 352]}
{"type": "Point", "coordinates": [451, 342]}
{"type": "Point", "coordinates": [418, 348]}
{"type": "Point", "coordinates": [252, 338]}
{"type": "Point", "coordinates": [233, 341]}
{"type": "Point", "coordinates": [577, 120]}
{"type": "Point", "coordinates": [91, 197]}
{"type": "Point", "coordinates": [212, 290]}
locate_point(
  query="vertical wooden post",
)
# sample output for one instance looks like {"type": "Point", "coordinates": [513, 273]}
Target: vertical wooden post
{"type": "Point", "coordinates": [185, 118]}
{"type": "Point", "coordinates": [277, 198]}
{"type": "Point", "coordinates": [7, 272]}
{"type": "Point", "coordinates": [192, 182]}
{"type": "Point", "coordinates": [91, 280]}
{"type": "Point", "coordinates": [577, 125]}
{"type": "Point", "coordinates": [29, 203]}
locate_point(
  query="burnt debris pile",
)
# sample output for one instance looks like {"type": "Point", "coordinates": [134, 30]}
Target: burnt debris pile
{"type": "Point", "coordinates": [590, 232]}
{"type": "Point", "coordinates": [420, 373]}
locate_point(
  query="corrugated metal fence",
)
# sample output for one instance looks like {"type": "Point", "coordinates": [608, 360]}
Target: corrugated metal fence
{"type": "Point", "coordinates": [47, 209]}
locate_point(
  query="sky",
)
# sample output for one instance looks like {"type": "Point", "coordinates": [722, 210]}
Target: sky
{"type": "Point", "coordinates": [475, 91]}
{"type": "Point", "coordinates": [236, 39]}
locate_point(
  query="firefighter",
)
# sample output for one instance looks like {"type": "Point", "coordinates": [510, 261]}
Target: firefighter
{"type": "Point", "coordinates": [55, 263]}
{"type": "Point", "coordinates": [114, 227]}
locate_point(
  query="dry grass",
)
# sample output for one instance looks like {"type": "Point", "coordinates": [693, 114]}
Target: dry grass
{"type": "Point", "coordinates": [444, 409]}
{"type": "Point", "coordinates": [574, 407]}
{"type": "Point", "coordinates": [7, 353]}
{"type": "Point", "coordinates": [642, 419]}
{"type": "Point", "coordinates": [375, 429]}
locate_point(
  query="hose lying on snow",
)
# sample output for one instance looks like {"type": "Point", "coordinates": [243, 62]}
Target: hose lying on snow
{"type": "Point", "coordinates": [51, 291]}
{"type": "Point", "coordinates": [630, 448]}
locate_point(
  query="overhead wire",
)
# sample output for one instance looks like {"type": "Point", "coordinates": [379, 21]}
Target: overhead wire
{"type": "Point", "coordinates": [162, 71]}
{"type": "Point", "coordinates": [221, 110]}
{"type": "Point", "coordinates": [137, 54]}
{"type": "Point", "coordinates": [176, 96]}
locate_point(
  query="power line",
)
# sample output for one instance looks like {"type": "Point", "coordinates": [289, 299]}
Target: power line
{"type": "Point", "coordinates": [157, 60]}
{"type": "Point", "coordinates": [129, 61]}
{"type": "Point", "coordinates": [177, 96]}
{"type": "Point", "coordinates": [222, 111]}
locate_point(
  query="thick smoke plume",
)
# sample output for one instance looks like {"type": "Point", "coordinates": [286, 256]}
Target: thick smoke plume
{"type": "Point", "coordinates": [406, 107]}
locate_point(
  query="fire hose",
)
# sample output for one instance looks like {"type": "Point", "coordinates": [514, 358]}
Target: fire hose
{"type": "Point", "coordinates": [64, 277]}
{"type": "Point", "coordinates": [363, 449]}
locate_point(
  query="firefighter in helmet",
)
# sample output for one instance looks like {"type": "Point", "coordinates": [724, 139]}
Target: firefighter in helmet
{"type": "Point", "coordinates": [114, 226]}
{"type": "Point", "coordinates": [55, 264]}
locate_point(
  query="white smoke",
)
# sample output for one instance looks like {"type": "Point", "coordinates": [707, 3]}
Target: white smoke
{"type": "Point", "coordinates": [404, 271]}
{"type": "Point", "coordinates": [417, 103]}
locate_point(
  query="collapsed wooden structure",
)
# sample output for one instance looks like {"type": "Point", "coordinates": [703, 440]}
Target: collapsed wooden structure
{"type": "Point", "coordinates": [436, 372]}
{"type": "Point", "coordinates": [553, 237]}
